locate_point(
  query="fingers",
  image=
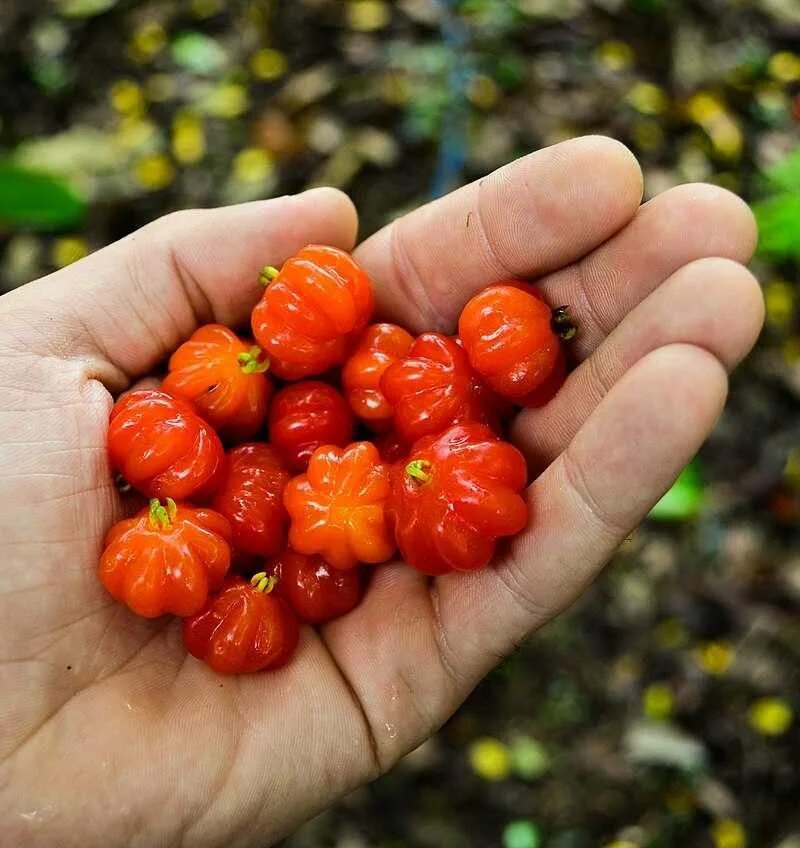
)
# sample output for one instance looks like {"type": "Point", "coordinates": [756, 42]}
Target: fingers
{"type": "Point", "coordinates": [527, 218]}
{"type": "Point", "coordinates": [132, 303]}
{"type": "Point", "coordinates": [712, 303]}
{"type": "Point", "coordinates": [686, 223]}
{"type": "Point", "coordinates": [623, 459]}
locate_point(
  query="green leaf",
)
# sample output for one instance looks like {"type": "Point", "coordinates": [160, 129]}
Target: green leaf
{"type": "Point", "coordinates": [529, 759]}
{"type": "Point", "coordinates": [198, 53]}
{"type": "Point", "coordinates": [779, 226]}
{"type": "Point", "coordinates": [521, 834]}
{"type": "Point", "coordinates": [84, 8]}
{"type": "Point", "coordinates": [784, 176]}
{"type": "Point", "coordinates": [35, 200]}
{"type": "Point", "coordinates": [684, 500]}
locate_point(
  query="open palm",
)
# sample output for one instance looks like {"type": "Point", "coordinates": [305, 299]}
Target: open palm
{"type": "Point", "coordinates": [109, 733]}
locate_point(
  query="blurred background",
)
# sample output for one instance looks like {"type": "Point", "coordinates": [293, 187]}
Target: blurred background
{"type": "Point", "coordinates": [662, 710]}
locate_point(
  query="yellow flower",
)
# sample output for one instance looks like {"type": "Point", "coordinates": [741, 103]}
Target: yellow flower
{"type": "Point", "coordinates": [714, 657]}
{"type": "Point", "coordinates": [658, 702]}
{"type": "Point", "coordinates": [228, 100]}
{"type": "Point", "coordinates": [770, 716]}
{"type": "Point", "coordinates": [188, 138]}
{"type": "Point", "coordinates": [779, 299]}
{"type": "Point", "coordinates": [69, 249]}
{"type": "Point", "coordinates": [368, 15]}
{"type": "Point", "coordinates": [490, 758]}
{"type": "Point", "coordinates": [147, 40]}
{"type": "Point", "coordinates": [252, 165]}
{"type": "Point", "coordinates": [268, 64]}
{"type": "Point", "coordinates": [785, 66]}
{"type": "Point", "coordinates": [154, 172]}
{"type": "Point", "coordinates": [127, 98]}
{"type": "Point", "coordinates": [709, 112]}
{"type": "Point", "coordinates": [648, 98]}
{"type": "Point", "coordinates": [728, 833]}
{"type": "Point", "coordinates": [615, 55]}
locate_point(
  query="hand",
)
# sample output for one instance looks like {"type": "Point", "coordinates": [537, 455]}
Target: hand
{"type": "Point", "coordinates": [111, 734]}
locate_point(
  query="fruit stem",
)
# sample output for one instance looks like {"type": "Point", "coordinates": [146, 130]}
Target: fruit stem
{"type": "Point", "coordinates": [251, 361]}
{"type": "Point", "coordinates": [562, 323]}
{"type": "Point", "coordinates": [261, 583]}
{"type": "Point", "coordinates": [268, 274]}
{"type": "Point", "coordinates": [419, 469]}
{"type": "Point", "coordinates": [161, 517]}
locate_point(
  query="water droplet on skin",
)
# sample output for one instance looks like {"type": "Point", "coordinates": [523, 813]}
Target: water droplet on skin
{"type": "Point", "coordinates": [394, 695]}
{"type": "Point", "coordinates": [128, 706]}
{"type": "Point", "coordinates": [391, 730]}
{"type": "Point", "coordinates": [31, 816]}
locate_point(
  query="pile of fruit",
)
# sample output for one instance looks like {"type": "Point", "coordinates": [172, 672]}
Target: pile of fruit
{"type": "Point", "coordinates": [245, 543]}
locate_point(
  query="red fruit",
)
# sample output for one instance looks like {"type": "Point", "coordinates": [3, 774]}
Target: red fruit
{"type": "Point", "coordinates": [251, 498]}
{"type": "Point", "coordinates": [391, 447]}
{"type": "Point", "coordinates": [224, 377]}
{"type": "Point", "coordinates": [509, 336]}
{"type": "Point", "coordinates": [433, 387]}
{"type": "Point", "coordinates": [314, 590]}
{"type": "Point", "coordinates": [166, 559]}
{"type": "Point", "coordinates": [338, 508]}
{"type": "Point", "coordinates": [243, 629]}
{"type": "Point", "coordinates": [305, 416]}
{"type": "Point", "coordinates": [162, 447]}
{"type": "Point", "coordinates": [454, 496]}
{"type": "Point", "coordinates": [312, 311]}
{"type": "Point", "coordinates": [380, 346]}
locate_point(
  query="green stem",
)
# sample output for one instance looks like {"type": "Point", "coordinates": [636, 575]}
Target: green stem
{"type": "Point", "coordinates": [261, 583]}
{"type": "Point", "coordinates": [251, 361]}
{"type": "Point", "coordinates": [419, 469]}
{"type": "Point", "coordinates": [562, 323]}
{"type": "Point", "coordinates": [161, 517]}
{"type": "Point", "coordinates": [267, 275]}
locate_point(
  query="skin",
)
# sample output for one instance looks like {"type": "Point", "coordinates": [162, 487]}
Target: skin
{"type": "Point", "coordinates": [144, 746]}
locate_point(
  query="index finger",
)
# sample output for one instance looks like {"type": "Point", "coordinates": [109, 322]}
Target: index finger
{"type": "Point", "coordinates": [527, 218]}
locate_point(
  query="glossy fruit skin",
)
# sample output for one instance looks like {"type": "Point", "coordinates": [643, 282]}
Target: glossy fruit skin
{"type": "Point", "coordinates": [250, 496]}
{"type": "Point", "coordinates": [312, 312]}
{"type": "Point", "coordinates": [338, 508]}
{"type": "Point", "coordinates": [433, 387]}
{"type": "Point", "coordinates": [391, 447]}
{"type": "Point", "coordinates": [305, 416]}
{"type": "Point", "coordinates": [242, 630]}
{"type": "Point", "coordinates": [166, 559]}
{"type": "Point", "coordinates": [507, 334]}
{"type": "Point", "coordinates": [316, 592]}
{"type": "Point", "coordinates": [224, 377]}
{"type": "Point", "coordinates": [454, 496]}
{"type": "Point", "coordinates": [163, 448]}
{"type": "Point", "coordinates": [379, 347]}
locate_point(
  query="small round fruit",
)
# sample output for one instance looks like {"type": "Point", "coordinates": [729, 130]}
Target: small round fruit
{"type": "Point", "coordinates": [167, 559]}
{"type": "Point", "coordinates": [243, 629]}
{"type": "Point", "coordinates": [314, 590]}
{"type": "Point", "coordinates": [379, 347]}
{"type": "Point", "coordinates": [163, 448]}
{"type": "Point", "coordinates": [510, 337]}
{"type": "Point", "coordinates": [250, 496]}
{"type": "Point", "coordinates": [312, 311]}
{"type": "Point", "coordinates": [225, 378]}
{"type": "Point", "coordinates": [454, 496]}
{"type": "Point", "coordinates": [305, 416]}
{"type": "Point", "coordinates": [433, 387]}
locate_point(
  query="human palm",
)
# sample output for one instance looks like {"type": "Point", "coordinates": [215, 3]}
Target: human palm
{"type": "Point", "coordinates": [110, 733]}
